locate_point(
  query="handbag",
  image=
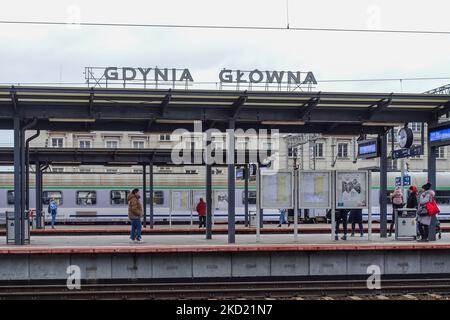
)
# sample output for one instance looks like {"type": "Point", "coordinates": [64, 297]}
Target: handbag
{"type": "Point", "coordinates": [432, 207]}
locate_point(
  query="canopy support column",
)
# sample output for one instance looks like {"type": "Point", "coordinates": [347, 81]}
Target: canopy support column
{"type": "Point", "coordinates": [208, 202]}
{"type": "Point", "coordinates": [144, 192]}
{"type": "Point", "coordinates": [231, 184]}
{"type": "Point", "coordinates": [383, 186]}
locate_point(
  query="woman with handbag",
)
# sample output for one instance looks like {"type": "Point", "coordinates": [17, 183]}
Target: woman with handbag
{"type": "Point", "coordinates": [427, 208]}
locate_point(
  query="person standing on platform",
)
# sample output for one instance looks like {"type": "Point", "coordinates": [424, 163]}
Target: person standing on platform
{"type": "Point", "coordinates": [282, 217]}
{"type": "Point", "coordinates": [423, 218]}
{"type": "Point", "coordinates": [397, 203]}
{"type": "Point", "coordinates": [356, 218]}
{"type": "Point", "coordinates": [342, 215]}
{"type": "Point", "coordinates": [412, 202]}
{"type": "Point", "coordinates": [53, 210]}
{"type": "Point", "coordinates": [201, 210]}
{"type": "Point", "coordinates": [135, 214]}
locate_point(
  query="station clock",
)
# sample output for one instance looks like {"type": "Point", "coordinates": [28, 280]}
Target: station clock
{"type": "Point", "coordinates": [405, 137]}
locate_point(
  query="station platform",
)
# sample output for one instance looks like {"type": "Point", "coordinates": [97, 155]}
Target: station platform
{"type": "Point", "coordinates": [270, 228]}
{"type": "Point", "coordinates": [113, 257]}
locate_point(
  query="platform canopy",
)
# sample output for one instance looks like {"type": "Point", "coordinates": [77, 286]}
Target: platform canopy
{"type": "Point", "coordinates": [118, 157]}
{"type": "Point", "coordinates": [150, 110]}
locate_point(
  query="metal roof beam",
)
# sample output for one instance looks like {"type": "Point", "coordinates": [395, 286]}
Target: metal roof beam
{"type": "Point", "coordinates": [238, 105]}
{"type": "Point", "coordinates": [444, 109]}
{"type": "Point", "coordinates": [165, 103]}
{"type": "Point", "coordinates": [308, 107]}
{"type": "Point", "coordinates": [380, 106]}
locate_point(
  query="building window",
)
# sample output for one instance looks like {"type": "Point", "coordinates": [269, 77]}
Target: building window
{"type": "Point", "coordinates": [85, 144]}
{"type": "Point", "coordinates": [415, 126]}
{"type": "Point", "coordinates": [164, 137]}
{"type": "Point", "coordinates": [292, 152]}
{"type": "Point", "coordinates": [57, 142]}
{"type": "Point", "coordinates": [55, 195]}
{"type": "Point", "coordinates": [85, 170]}
{"type": "Point", "coordinates": [111, 170]}
{"type": "Point", "coordinates": [10, 197]}
{"type": "Point", "coordinates": [158, 197]}
{"type": "Point", "coordinates": [119, 197]}
{"type": "Point", "coordinates": [57, 169]}
{"type": "Point", "coordinates": [138, 144]}
{"type": "Point", "coordinates": [318, 150]}
{"type": "Point", "coordinates": [440, 153]}
{"type": "Point", "coordinates": [342, 150]}
{"type": "Point", "coordinates": [251, 197]}
{"type": "Point", "coordinates": [164, 169]}
{"type": "Point", "coordinates": [112, 144]}
{"type": "Point", "coordinates": [138, 171]}
{"type": "Point", "coordinates": [86, 198]}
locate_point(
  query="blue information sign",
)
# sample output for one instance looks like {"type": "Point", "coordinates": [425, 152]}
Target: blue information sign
{"type": "Point", "coordinates": [406, 181]}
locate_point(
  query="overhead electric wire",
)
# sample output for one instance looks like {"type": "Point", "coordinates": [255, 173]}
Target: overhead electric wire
{"type": "Point", "coordinates": [229, 27]}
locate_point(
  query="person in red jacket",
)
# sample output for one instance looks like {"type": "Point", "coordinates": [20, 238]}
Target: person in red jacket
{"type": "Point", "coordinates": [201, 210]}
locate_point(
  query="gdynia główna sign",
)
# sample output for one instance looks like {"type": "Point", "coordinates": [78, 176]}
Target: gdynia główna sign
{"type": "Point", "coordinates": [124, 74]}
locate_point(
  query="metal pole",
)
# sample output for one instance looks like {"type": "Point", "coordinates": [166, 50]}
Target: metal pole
{"type": "Point", "coordinates": [432, 179]}
{"type": "Point", "coordinates": [258, 205]}
{"type": "Point", "coordinates": [296, 176]}
{"type": "Point", "coordinates": [333, 204]}
{"type": "Point", "coordinates": [369, 207]}
{"type": "Point", "coordinates": [27, 166]}
{"type": "Point", "coordinates": [38, 188]}
{"type": "Point", "coordinates": [18, 208]}
{"type": "Point", "coordinates": [383, 187]}
{"type": "Point", "coordinates": [151, 195]}
{"type": "Point", "coordinates": [208, 202]}
{"type": "Point", "coordinates": [246, 174]}
{"type": "Point", "coordinates": [231, 184]}
{"type": "Point", "coordinates": [144, 191]}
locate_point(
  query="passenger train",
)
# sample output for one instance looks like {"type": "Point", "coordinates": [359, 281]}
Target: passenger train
{"type": "Point", "coordinates": [102, 197]}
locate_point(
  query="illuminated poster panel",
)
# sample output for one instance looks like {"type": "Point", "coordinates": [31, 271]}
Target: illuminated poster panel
{"type": "Point", "coordinates": [314, 189]}
{"type": "Point", "coordinates": [180, 201]}
{"type": "Point", "coordinates": [351, 189]}
{"type": "Point", "coordinates": [276, 189]}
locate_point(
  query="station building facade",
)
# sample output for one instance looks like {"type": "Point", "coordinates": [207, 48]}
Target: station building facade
{"type": "Point", "coordinates": [320, 153]}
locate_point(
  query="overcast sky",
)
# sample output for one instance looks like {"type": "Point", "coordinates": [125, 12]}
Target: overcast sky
{"type": "Point", "coordinates": [31, 53]}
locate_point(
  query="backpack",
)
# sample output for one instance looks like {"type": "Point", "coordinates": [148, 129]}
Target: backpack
{"type": "Point", "coordinates": [397, 199]}
{"type": "Point", "coordinates": [52, 206]}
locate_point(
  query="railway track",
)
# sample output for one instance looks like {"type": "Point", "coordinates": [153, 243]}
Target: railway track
{"type": "Point", "coordinates": [330, 290]}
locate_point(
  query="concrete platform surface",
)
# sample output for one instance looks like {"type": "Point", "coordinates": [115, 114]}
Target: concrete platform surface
{"type": "Point", "coordinates": [194, 229]}
{"type": "Point", "coordinates": [198, 243]}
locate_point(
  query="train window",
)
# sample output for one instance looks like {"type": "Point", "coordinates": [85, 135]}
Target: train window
{"type": "Point", "coordinates": [442, 197]}
{"type": "Point", "coordinates": [55, 195]}
{"type": "Point", "coordinates": [86, 198]}
{"type": "Point", "coordinates": [10, 196]}
{"type": "Point", "coordinates": [119, 197]}
{"type": "Point", "coordinates": [251, 197]}
{"type": "Point", "coordinates": [158, 197]}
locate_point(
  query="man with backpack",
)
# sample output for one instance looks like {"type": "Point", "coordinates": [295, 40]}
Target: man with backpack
{"type": "Point", "coordinates": [53, 210]}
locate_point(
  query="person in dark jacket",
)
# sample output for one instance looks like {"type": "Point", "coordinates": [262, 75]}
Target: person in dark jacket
{"type": "Point", "coordinates": [341, 215]}
{"type": "Point", "coordinates": [201, 210]}
{"type": "Point", "coordinates": [356, 218]}
{"type": "Point", "coordinates": [135, 214]}
{"type": "Point", "coordinates": [412, 202]}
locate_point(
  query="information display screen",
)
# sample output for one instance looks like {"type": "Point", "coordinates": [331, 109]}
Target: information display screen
{"type": "Point", "coordinates": [351, 189]}
{"type": "Point", "coordinates": [368, 149]}
{"type": "Point", "coordinates": [314, 189]}
{"type": "Point", "coordinates": [276, 190]}
{"type": "Point", "coordinates": [440, 136]}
